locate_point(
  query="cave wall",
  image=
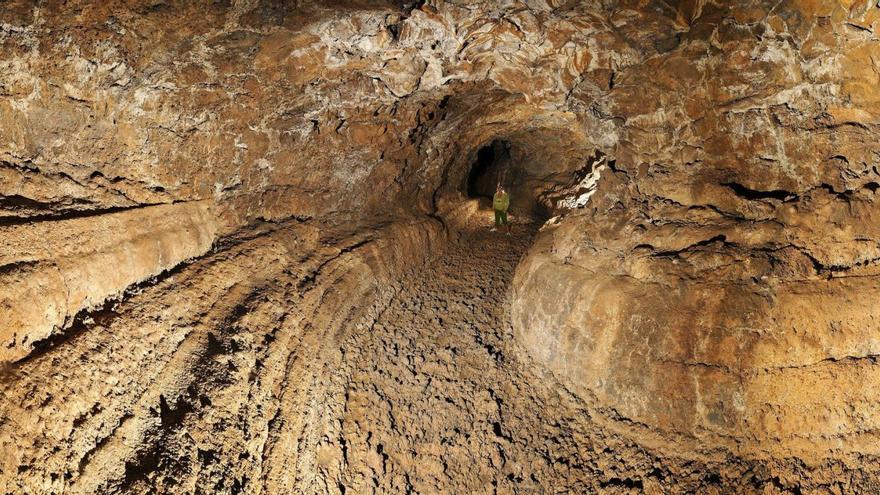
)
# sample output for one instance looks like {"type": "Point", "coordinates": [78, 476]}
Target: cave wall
{"type": "Point", "coordinates": [121, 104]}
{"type": "Point", "coordinates": [722, 283]}
{"type": "Point", "coordinates": [50, 273]}
{"type": "Point", "coordinates": [269, 110]}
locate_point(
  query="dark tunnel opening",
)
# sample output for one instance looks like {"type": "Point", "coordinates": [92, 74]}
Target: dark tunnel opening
{"type": "Point", "coordinates": [490, 168]}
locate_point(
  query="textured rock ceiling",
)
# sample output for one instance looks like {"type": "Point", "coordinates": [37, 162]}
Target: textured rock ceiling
{"type": "Point", "coordinates": [719, 290]}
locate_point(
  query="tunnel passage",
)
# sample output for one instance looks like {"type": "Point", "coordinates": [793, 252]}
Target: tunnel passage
{"type": "Point", "coordinates": [505, 163]}
{"type": "Point", "coordinates": [538, 153]}
{"type": "Point", "coordinates": [490, 168]}
{"type": "Point", "coordinates": [540, 181]}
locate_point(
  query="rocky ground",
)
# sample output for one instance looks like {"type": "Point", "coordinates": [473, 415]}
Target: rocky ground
{"type": "Point", "coordinates": [435, 396]}
{"type": "Point", "coordinates": [436, 400]}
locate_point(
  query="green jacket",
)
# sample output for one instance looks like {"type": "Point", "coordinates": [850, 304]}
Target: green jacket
{"type": "Point", "coordinates": [501, 201]}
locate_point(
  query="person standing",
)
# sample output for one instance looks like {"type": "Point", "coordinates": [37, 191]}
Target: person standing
{"type": "Point", "coordinates": [500, 203]}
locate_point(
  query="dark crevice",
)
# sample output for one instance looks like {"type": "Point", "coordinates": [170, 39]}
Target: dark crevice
{"type": "Point", "coordinates": [406, 8]}
{"type": "Point", "coordinates": [757, 195]}
{"type": "Point", "coordinates": [845, 195]}
{"type": "Point", "coordinates": [783, 488]}
{"type": "Point", "coordinates": [172, 415]}
{"type": "Point", "coordinates": [84, 320]}
{"type": "Point", "coordinates": [214, 347]}
{"type": "Point", "coordinates": [16, 202]}
{"type": "Point", "coordinates": [498, 431]}
{"type": "Point", "coordinates": [61, 215]}
{"type": "Point", "coordinates": [146, 462]}
{"type": "Point", "coordinates": [623, 483]}
{"type": "Point", "coordinates": [18, 266]}
{"type": "Point", "coordinates": [675, 253]}
{"type": "Point", "coordinates": [394, 30]}
{"type": "Point", "coordinates": [409, 5]}
{"type": "Point", "coordinates": [712, 479]}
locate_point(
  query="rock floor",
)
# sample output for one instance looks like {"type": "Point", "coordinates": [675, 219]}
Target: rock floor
{"type": "Point", "coordinates": [439, 400]}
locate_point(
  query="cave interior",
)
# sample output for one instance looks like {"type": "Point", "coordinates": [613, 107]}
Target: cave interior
{"type": "Point", "coordinates": [246, 247]}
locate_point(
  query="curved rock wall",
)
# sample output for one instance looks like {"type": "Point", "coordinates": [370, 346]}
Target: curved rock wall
{"type": "Point", "coordinates": [201, 380]}
{"type": "Point", "coordinates": [721, 285]}
{"type": "Point", "coordinates": [53, 270]}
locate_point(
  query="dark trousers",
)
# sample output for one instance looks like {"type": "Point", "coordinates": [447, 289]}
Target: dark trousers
{"type": "Point", "coordinates": [500, 218]}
